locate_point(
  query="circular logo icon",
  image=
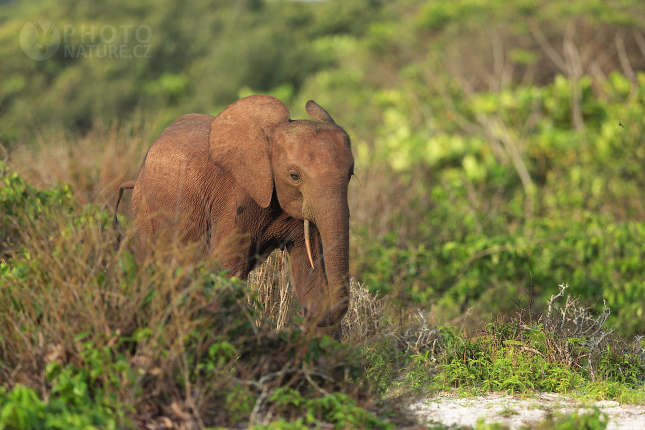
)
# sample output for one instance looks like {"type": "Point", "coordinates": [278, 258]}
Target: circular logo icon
{"type": "Point", "coordinates": [39, 39]}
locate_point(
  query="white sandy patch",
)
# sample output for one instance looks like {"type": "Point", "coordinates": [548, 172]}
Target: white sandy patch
{"type": "Point", "coordinates": [516, 412]}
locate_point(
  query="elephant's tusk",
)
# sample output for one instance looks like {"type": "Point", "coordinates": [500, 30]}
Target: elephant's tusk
{"type": "Point", "coordinates": [307, 244]}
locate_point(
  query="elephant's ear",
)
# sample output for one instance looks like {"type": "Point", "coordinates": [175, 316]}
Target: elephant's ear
{"type": "Point", "coordinates": [239, 145]}
{"type": "Point", "coordinates": [316, 112]}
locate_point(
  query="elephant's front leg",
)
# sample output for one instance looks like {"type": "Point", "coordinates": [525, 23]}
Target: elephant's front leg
{"type": "Point", "coordinates": [231, 241]}
{"type": "Point", "coordinates": [310, 283]}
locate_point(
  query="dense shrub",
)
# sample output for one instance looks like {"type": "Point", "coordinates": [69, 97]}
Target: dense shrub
{"type": "Point", "coordinates": [93, 336]}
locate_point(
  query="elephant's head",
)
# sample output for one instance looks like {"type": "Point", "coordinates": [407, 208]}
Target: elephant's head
{"type": "Point", "coordinates": [309, 165]}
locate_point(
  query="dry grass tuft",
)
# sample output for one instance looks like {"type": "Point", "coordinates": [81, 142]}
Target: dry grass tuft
{"type": "Point", "coordinates": [95, 164]}
{"type": "Point", "coordinates": [276, 301]}
{"type": "Point", "coordinates": [201, 355]}
{"type": "Point", "coordinates": [366, 315]}
{"type": "Point", "coordinates": [275, 297]}
{"type": "Point", "coordinates": [418, 336]}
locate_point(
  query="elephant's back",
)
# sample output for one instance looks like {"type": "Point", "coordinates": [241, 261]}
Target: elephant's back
{"type": "Point", "coordinates": [181, 145]}
{"type": "Point", "coordinates": [187, 134]}
{"type": "Point", "coordinates": [171, 185]}
{"type": "Point", "coordinates": [185, 138]}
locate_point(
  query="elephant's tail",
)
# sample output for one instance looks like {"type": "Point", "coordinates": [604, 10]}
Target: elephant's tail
{"type": "Point", "coordinates": [115, 223]}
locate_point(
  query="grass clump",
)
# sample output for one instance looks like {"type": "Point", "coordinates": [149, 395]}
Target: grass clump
{"type": "Point", "coordinates": [485, 365]}
{"type": "Point", "coordinates": [564, 349]}
{"type": "Point", "coordinates": [581, 419]}
{"type": "Point", "coordinates": [402, 359]}
{"type": "Point", "coordinates": [612, 390]}
{"type": "Point", "coordinates": [337, 408]}
{"type": "Point", "coordinates": [507, 412]}
{"type": "Point", "coordinates": [592, 419]}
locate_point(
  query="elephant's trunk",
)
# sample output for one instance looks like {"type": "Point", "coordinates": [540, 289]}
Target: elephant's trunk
{"type": "Point", "coordinates": [332, 220]}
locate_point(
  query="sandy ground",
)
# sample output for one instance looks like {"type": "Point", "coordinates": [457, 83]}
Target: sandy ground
{"type": "Point", "coordinates": [516, 412]}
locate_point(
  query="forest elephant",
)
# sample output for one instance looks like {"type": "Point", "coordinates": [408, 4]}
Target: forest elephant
{"type": "Point", "coordinates": [249, 181]}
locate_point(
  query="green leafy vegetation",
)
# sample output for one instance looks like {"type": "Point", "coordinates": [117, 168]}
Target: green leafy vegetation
{"type": "Point", "coordinates": [194, 57]}
{"type": "Point", "coordinates": [561, 351]}
{"type": "Point", "coordinates": [473, 251]}
{"type": "Point", "coordinates": [567, 350]}
{"type": "Point", "coordinates": [594, 420]}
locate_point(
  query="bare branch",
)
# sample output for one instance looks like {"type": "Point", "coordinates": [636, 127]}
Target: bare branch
{"type": "Point", "coordinates": [511, 148]}
{"type": "Point", "coordinates": [563, 288]}
{"type": "Point", "coordinates": [546, 46]}
{"type": "Point", "coordinates": [596, 71]}
{"type": "Point", "coordinates": [640, 41]}
{"type": "Point", "coordinates": [574, 72]}
{"type": "Point", "coordinates": [468, 126]}
{"type": "Point", "coordinates": [572, 56]}
{"type": "Point", "coordinates": [498, 58]}
{"type": "Point", "coordinates": [528, 75]}
{"type": "Point", "coordinates": [258, 404]}
{"type": "Point", "coordinates": [316, 386]}
{"type": "Point", "coordinates": [622, 56]}
{"type": "Point", "coordinates": [585, 56]}
{"type": "Point", "coordinates": [595, 67]}
{"type": "Point", "coordinates": [624, 62]}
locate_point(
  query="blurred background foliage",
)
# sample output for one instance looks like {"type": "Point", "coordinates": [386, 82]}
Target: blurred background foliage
{"type": "Point", "coordinates": [499, 143]}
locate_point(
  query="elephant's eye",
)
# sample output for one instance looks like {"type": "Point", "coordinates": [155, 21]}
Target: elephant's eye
{"type": "Point", "coordinates": [295, 176]}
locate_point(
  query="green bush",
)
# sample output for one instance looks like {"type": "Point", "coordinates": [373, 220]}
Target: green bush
{"type": "Point", "coordinates": [482, 235]}
{"type": "Point", "coordinates": [21, 204]}
{"type": "Point", "coordinates": [338, 409]}
{"type": "Point", "coordinates": [599, 258]}
{"type": "Point", "coordinates": [488, 367]}
{"type": "Point", "coordinates": [197, 58]}
{"type": "Point", "coordinates": [22, 409]}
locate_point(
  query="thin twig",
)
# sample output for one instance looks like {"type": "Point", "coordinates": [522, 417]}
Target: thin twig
{"type": "Point", "coordinates": [624, 62]}
{"type": "Point", "coordinates": [573, 72]}
{"type": "Point", "coordinates": [316, 386]}
{"type": "Point", "coordinates": [546, 46]}
{"type": "Point", "coordinates": [258, 404]}
{"type": "Point", "coordinates": [640, 41]}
